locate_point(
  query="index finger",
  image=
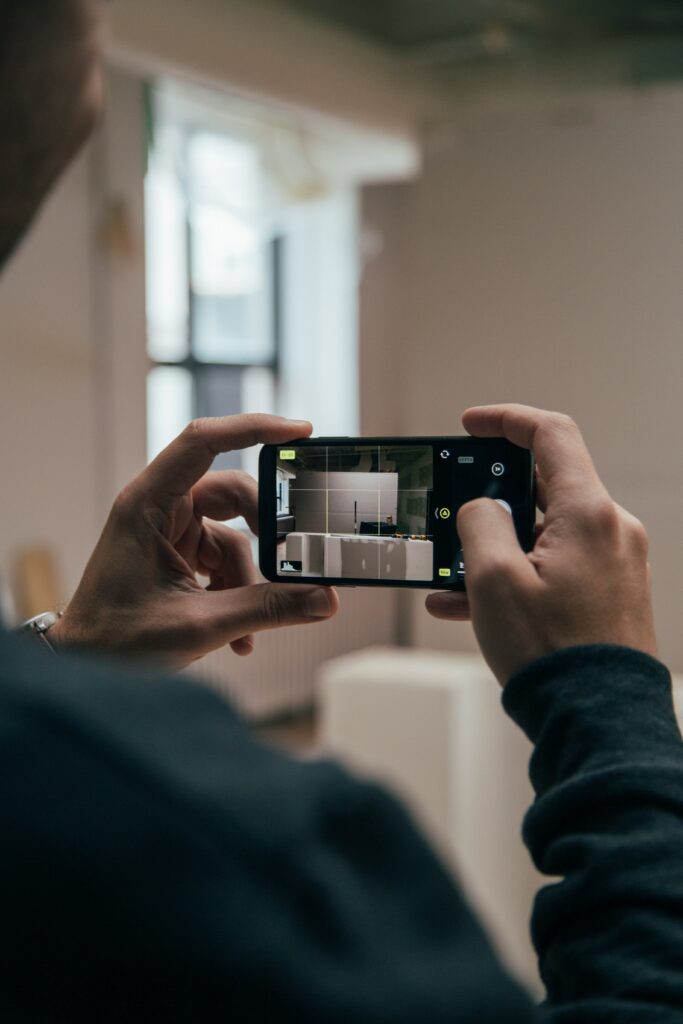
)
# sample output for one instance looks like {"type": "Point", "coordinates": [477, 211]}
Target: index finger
{"type": "Point", "coordinates": [562, 457]}
{"type": "Point", "coordinates": [189, 457]}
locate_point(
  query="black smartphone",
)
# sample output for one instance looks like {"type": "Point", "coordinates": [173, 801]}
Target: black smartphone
{"type": "Point", "coordinates": [381, 511]}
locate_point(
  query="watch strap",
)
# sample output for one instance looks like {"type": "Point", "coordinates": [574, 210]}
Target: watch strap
{"type": "Point", "coordinates": [39, 626]}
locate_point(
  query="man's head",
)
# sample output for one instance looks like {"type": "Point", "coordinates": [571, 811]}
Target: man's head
{"type": "Point", "coordinates": [50, 96]}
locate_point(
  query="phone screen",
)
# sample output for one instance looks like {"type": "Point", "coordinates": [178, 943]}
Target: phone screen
{"type": "Point", "coordinates": [383, 511]}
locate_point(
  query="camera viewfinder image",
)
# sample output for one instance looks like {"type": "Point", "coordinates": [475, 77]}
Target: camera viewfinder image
{"type": "Point", "coordinates": [355, 512]}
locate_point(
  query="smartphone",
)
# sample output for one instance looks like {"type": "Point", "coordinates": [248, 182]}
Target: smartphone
{"type": "Point", "coordinates": [381, 511]}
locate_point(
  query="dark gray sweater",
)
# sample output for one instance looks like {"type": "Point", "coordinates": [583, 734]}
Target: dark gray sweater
{"type": "Point", "coordinates": [157, 864]}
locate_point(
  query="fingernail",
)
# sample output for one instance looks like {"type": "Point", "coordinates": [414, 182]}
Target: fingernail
{"type": "Point", "coordinates": [317, 604]}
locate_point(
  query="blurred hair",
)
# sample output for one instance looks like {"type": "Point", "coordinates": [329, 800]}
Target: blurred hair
{"type": "Point", "coordinates": [49, 98]}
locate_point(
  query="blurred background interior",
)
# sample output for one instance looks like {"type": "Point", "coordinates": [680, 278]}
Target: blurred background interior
{"type": "Point", "coordinates": [371, 215]}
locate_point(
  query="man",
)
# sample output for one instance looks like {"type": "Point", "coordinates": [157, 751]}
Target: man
{"type": "Point", "coordinates": [158, 865]}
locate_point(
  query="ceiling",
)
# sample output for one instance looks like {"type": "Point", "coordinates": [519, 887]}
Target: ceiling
{"type": "Point", "coordinates": [409, 23]}
{"type": "Point", "coordinates": [462, 32]}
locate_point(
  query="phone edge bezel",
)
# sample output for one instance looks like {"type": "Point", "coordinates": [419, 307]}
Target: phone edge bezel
{"type": "Point", "coordinates": [266, 511]}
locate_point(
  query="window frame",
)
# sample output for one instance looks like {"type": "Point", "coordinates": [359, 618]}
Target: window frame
{"type": "Point", "coordinates": [276, 247]}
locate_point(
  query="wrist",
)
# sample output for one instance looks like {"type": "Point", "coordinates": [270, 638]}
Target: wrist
{"type": "Point", "coordinates": [59, 633]}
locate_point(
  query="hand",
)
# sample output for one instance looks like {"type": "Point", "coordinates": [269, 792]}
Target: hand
{"type": "Point", "coordinates": [139, 596]}
{"type": "Point", "coordinates": [587, 581]}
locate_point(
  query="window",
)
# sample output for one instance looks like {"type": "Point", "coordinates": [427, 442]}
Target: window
{"type": "Point", "coordinates": [213, 288]}
{"type": "Point", "coordinates": [251, 278]}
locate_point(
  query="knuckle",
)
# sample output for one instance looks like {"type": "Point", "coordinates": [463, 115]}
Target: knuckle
{"type": "Point", "coordinates": [195, 428]}
{"type": "Point", "coordinates": [602, 518]}
{"type": "Point", "coordinates": [242, 483]}
{"type": "Point", "coordinates": [198, 433]}
{"type": "Point", "coordinates": [274, 606]}
{"type": "Point", "coordinates": [561, 425]}
{"type": "Point", "coordinates": [124, 503]}
{"type": "Point", "coordinates": [563, 421]}
{"type": "Point", "coordinates": [494, 574]}
{"type": "Point", "coordinates": [639, 537]}
{"type": "Point", "coordinates": [242, 544]}
{"type": "Point", "coordinates": [246, 479]}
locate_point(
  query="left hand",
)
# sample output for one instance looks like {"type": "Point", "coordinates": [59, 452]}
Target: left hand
{"type": "Point", "coordinates": [140, 597]}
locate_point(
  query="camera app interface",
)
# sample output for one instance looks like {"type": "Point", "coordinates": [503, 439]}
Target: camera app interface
{"type": "Point", "coordinates": [388, 512]}
{"type": "Point", "coordinates": [357, 512]}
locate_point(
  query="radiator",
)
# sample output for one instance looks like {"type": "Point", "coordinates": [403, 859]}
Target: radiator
{"type": "Point", "coordinates": [279, 678]}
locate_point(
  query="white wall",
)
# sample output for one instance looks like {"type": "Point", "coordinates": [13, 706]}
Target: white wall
{"type": "Point", "coordinates": [119, 287]}
{"type": "Point", "coordinates": [320, 282]}
{"type": "Point", "coordinates": [72, 351]}
{"type": "Point", "coordinates": [539, 259]}
{"type": "Point", "coordinates": [48, 456]}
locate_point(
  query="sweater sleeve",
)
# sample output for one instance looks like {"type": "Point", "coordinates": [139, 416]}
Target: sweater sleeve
{"type": "Point", "coordinates": [158, 864]}
{"type": "Point", "coordinates": [607, 822]}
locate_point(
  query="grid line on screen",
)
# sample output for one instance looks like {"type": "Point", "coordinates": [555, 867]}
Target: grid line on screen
{"type": "Point", "coordinates": [379, 510]}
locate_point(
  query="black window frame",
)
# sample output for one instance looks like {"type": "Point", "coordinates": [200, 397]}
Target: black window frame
{"type": "Point", "coordinates": [190, 362]}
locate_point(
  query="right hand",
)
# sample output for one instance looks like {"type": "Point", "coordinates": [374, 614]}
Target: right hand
{"type": "Point", "coordinates": [587, 581]}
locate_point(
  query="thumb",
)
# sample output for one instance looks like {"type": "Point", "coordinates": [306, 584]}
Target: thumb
{"type": "Point", "coordinates": [490, 546]}
{"type": "Point", "coordinates": [252, 609]}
